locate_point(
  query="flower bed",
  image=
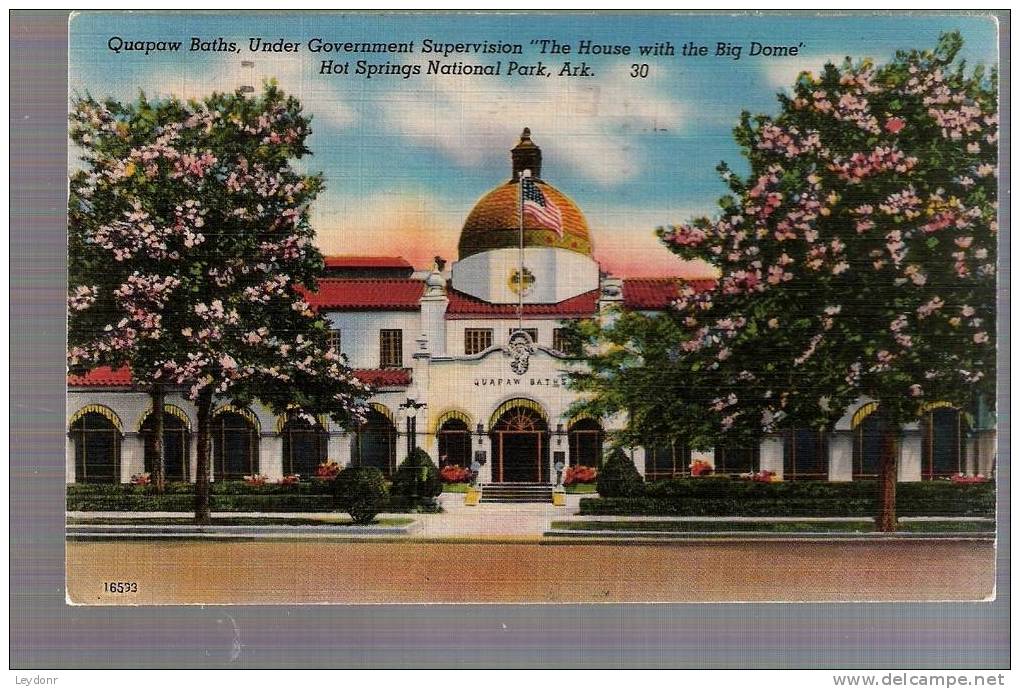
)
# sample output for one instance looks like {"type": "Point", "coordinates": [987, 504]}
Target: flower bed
{"type": "Point", "coordinates": [451, 473]}
{"type": "Point", "coordinates": [725, 497]}
{"type": "Point", "coordinates": [578, 474]}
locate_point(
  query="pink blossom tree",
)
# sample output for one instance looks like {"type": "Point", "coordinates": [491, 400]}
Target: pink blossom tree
{"type": "Point", "coordinates": [189, 249]}
{"type": "Point", "coordinates": [857, 260]}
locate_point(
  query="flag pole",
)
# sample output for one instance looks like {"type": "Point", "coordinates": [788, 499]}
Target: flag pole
{"type": "Point", "coordinates": [525, 174]}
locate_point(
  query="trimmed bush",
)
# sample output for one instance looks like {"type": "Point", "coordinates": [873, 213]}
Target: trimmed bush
{"type": "Point", "coordinates": [417, 479]}
{"type": "Point", "coordinates": [730, 498]}
{"type": "Point", "coordinates": [619, 478]}
{"type": "Point", "coordinates": [361, 492]}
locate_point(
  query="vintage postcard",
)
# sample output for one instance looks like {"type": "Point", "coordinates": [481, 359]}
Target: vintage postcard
{"type": "Point", "coordinates": [531, 307]}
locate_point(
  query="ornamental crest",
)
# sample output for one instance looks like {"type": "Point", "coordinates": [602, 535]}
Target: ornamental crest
{"type": "Point", "coordinates": [519, 349]}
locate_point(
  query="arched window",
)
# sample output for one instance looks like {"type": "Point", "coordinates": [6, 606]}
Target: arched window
{"type": "Point", "coordinates": [585, 438]}
{"type": "Point", "coordinates": [235, 446]}
{"type": "Point", "coordinates": [96, 449]}
{"type": "Point", "coordinates": [454, 443]}
{"type": "Point", "coordinates": [176, 466]}
{"type": "Point", "coordinates": [868, 446]}
{"type": "Point", "coordinates": [805, 454]}
{"type": "Point", "coordinates": [736, 460]}
{"type": "Point", "coordinates": [666, 459]}
{"type": "Point", "coordinates": [941, 442]}
{"type": "Point", "coordinates": [305, 445]}
{"type": "Point", "coordinates": [375, 443]}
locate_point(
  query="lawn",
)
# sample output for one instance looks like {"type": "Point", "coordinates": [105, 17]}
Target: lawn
{"type": "Point", "coordinates": [582, 488]}
{"type": "Point", "coordinates": [933, 526]}
{"type": "Point", "coordinates": [456, 487]}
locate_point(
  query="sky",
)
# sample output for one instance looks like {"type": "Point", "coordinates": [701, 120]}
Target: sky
{"type": "Point", "coordinates": [405, 160]}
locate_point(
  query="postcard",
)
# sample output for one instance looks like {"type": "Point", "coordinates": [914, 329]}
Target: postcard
{"type": "Point", "coordinates": [531, 307]}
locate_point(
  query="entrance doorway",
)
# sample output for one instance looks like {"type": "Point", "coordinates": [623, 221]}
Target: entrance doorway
{"type": "Point", "coordinates": [520, 447]}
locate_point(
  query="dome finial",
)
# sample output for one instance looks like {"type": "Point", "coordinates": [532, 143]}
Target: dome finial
{"type": "Point", "coordinates": [526, 156]}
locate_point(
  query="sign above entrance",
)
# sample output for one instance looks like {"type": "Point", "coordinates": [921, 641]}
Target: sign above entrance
{"type": "Point", "coordinates": [557, 382]}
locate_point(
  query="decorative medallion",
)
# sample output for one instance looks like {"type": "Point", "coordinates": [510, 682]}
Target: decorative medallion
{"type": "Point", "coordinates": [515, 281]}
{"type": "Point", "coordinates": [519, 349]}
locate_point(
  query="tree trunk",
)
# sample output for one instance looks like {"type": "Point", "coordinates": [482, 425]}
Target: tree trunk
{"type": "Point", "coordinates": [202, 464]}
{"type": "Point", "coordinates": [158, 463]}
{"type": "Point", "coordinates": [886, 521]}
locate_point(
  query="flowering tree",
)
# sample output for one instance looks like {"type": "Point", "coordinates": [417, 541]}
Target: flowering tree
{"type": "Point", "coordinates": [856, 260]}
{"type": "Point", "coordinates": [190, 247]}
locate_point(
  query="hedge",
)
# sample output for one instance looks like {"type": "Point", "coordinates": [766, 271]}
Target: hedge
{"type": "Point", "coordinates": [226, 496]}
{"type": "Point", "coordinates": [734, 498]}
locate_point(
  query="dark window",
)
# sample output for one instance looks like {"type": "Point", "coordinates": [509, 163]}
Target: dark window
{"type": "Point", "coordinates": [868, 446]}
{"type": "Point", "coordinates": [736, 460]}
{"type": "Point", "coordinates": [532, 333]}
{"type": "Point", "coordinates": [176, 466]}
{"type": "Point", "coordinates": [563, 343]}
{"type": "Point", "coordinates": [235, 446]}
{"type": "Point", "coordinates": [477, 340]}
{"type": "Point", "coordinates": [96, 449]}
{"type": "Point", "coordinates": [391, 348]}
{"type": "Point", "coordinates": [454, 443]}
{"type": "Point", "coordinates": [805, 454]}
{"type": "Point", "coordinates": [305, 445]}
{"type": "Point", "coordinates": [665, 459]}
{"type": "Point", "coordinates": [333, 340]}
{"type": "Point", "coordinates": [941, 451]}
{"type": "Point", "coordinates": [585, 440]}
{"type": "Point", "coordinates": [375, 443]}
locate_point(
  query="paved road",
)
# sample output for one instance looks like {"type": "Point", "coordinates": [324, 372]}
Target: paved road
{"type": "Point", "coordinates": [313, 571]}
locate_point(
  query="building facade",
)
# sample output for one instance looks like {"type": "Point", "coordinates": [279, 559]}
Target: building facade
{"type": "Point", "coordinates": [470, 364]}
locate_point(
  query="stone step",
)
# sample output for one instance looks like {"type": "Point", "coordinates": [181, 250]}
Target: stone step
{"type": "Point", "coordinates": [516, 492]}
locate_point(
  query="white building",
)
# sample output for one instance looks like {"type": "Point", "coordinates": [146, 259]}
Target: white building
{"type": "Point", "coordinates": [437, 348]}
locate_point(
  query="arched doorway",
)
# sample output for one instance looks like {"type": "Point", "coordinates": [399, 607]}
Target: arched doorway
{"type": "Point", "coordinates": [375, 443]}
{"type": "Point", "coordinates": [96, 439]}
{"type": "Point", "coordinates": [868, 432]}
{"type": "Point", "coordinates": [942, 432]}
{"type": "Point", "coordinates": [454, 443]}
{"type": "Point", "coordinates": [520, 443]}
{"type": "Point", "coordinates": [305, 444]}
{"type": "Point", "coordinates": [176, 466]}
{"type": "Point", "coordinates": [585, 438]}
{"type": "Point", "coordinates": [235, 444]}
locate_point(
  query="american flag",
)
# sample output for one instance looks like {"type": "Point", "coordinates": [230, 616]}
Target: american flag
{"type": "Point", "coordinates": [540, 209]}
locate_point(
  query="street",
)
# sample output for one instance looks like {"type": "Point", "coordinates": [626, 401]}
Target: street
{"type": "Point", "coordinates": [415, 571]}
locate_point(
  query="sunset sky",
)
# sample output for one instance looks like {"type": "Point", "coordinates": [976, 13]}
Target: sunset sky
{"type": "Point", "coordinates": [406, 159]}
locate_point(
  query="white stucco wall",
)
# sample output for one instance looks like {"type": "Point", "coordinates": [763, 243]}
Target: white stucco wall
{"type": "Point", "coordinates": [359, 334]}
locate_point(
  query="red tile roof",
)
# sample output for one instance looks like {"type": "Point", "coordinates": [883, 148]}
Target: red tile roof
{"type": "Point", "coordinates": [465, 306]}
{"type": "Point", "coordinates": [367, 262]}
{"type": "Point", "coordinates": [103, 376]}
{"type": "Point", "coordinates": [656, 293]}
{"type": "Point", "coordinates": [384, 377]}
{"type": "Point", "coordinates": [367, 294]}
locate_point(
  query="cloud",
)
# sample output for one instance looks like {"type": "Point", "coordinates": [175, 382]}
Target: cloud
{"type": "Point", "coordinates": [593, 125]}
{"type": "Point", "coordinates": [626, 244]}
{"type": "Point", "coordinates": [782, 73]}
{"type": "Point", "coordinates": [415, 224]}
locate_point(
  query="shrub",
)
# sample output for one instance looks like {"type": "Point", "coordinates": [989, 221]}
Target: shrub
{"type": "Point", "coordinates": [452, 473]}
{"type": "Point", "coordinates": [700, 497]}
{"type": "Point", "coordinates": [619, 477]}
{"type": "Point", "coordinates": [579, 474]}
{"type": "Point", "coordinates": [361, 492]}
{"type": "Point", "coordinates": [417, 478]}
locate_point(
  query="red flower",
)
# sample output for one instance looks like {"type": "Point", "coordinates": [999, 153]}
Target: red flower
{"type": "Point", "coordinates": [327, 471]}
{"type": "Point", "coordinates": [700, 467]}
{"type": "Point", "coordinates": [579, 474]}
{"type": "Point", "coordinates": [451, 473]}
{"type": "Point", "coordinates": [894, 125]}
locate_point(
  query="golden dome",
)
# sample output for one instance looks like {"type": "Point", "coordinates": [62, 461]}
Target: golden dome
{"type": "Point", "coordinates": [494, 222]}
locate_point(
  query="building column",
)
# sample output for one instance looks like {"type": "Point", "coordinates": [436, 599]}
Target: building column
{"type": "Point", "coordinates": [841, 456]}
{"type": "Point", "coordinates": [483, 443]}
{"type": "Point", "coordinates": [770, 455]}
{"type": "Point", "coordinates": [69, 454]}
{"type": "Point", "coordinates": [271, 456]}
{"type": "Point", "coordinates": [193, 456]}
{"type": "Point", "coordinates": [132, 456]}
{"type": "Point", "coordinates": [985, 458]}
{"type": "Point", "coordinates": [338, 448]}
{"type": "Point", "coordinates": [910, 456]}
{"type": "Point", "coordinates": [638, 455]}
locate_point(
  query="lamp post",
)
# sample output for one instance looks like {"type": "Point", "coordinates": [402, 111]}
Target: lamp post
{"type": "Point", "coordinates": [412, 406]}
